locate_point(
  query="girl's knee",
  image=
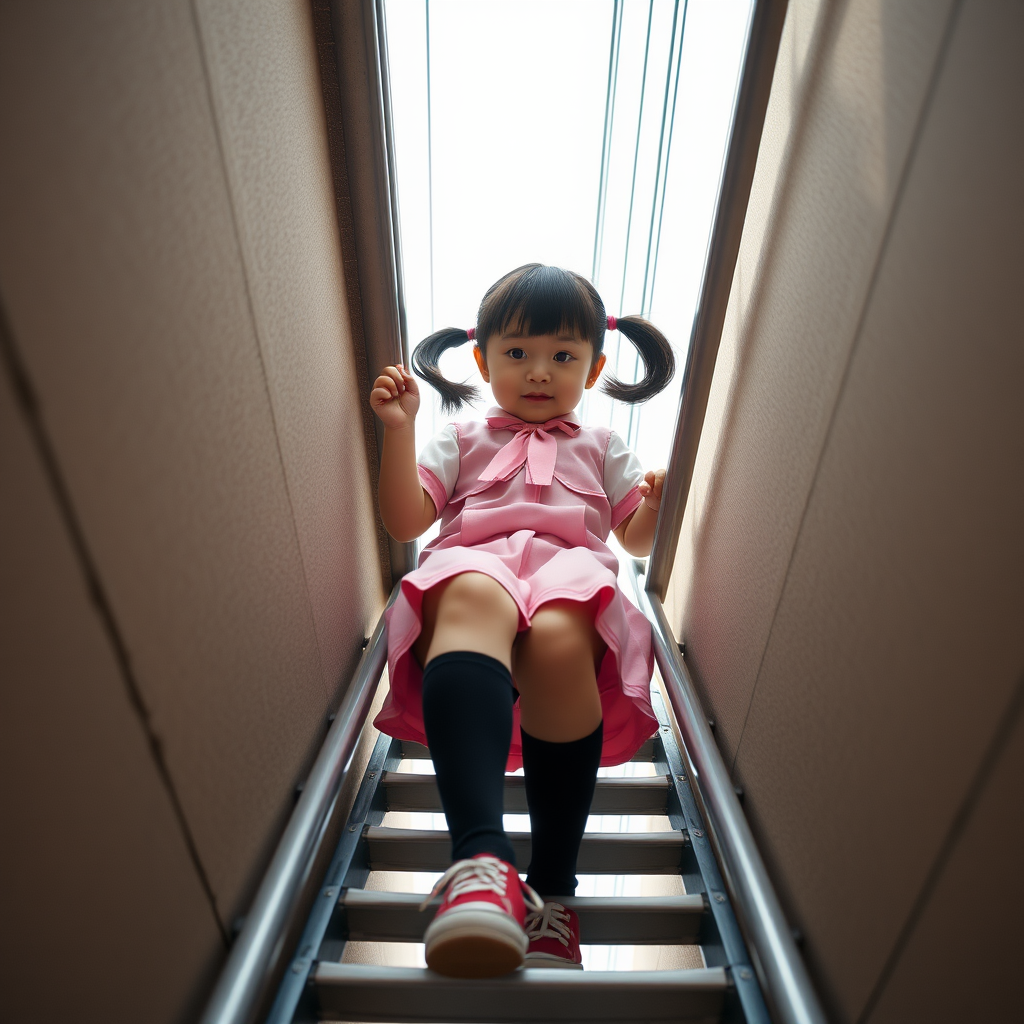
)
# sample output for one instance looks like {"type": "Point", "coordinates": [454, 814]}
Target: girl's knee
{"type": "Point", "coordinates": [468, 612]}
{"type": "Point", "coordinates": [561, 633]}
{"type": "Point", "coordinates": [476, 595]}
{"type": "Point", "coordinates": [555, 665]}
{"type": "Point", "coordinates": [476, 588]}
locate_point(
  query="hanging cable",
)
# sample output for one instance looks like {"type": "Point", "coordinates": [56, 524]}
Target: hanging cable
{"type": "Point", "coordinates": [632, 190]}
{"type": "Point", "coordinates": [606, 138]}
{"type": "Point", "coordinates": [430, 172]}
{"type": "Point", "coordinates": [664, 148]}
{"type": "Point", "coordinates": [636, 153]}
{"type": "Point", "coordinates": [668, 152]}
{"type": "Point", "coordinates": [668, 121]}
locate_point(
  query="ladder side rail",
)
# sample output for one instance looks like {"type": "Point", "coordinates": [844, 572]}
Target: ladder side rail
{"type": "Point", "coordinates": [780, 968]}
{"type": "Point", "coordinates": [359, 45]}
{"type": "Point", "coordinates": [258, 951]}
{"type": "Point", "coordinates": [720, 939]}
{"type": "Point", "coordinates": [327, 931]}
{"type": "Point", "coordinates": [720, 262]}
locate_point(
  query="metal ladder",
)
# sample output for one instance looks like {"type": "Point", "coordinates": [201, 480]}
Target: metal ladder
{"type": "Point", "coordinates": [270, 976]}
{"type": "Point", "coordinates": [317, 987]}
{"type": "Point", "coordinates": [280, 969]}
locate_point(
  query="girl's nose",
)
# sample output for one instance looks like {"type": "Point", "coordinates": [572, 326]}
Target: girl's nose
{"type": "Point", "coordinates": [538, 372]}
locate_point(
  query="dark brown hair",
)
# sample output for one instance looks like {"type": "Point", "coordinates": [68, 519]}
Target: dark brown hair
{"type": "Point", "coordinates": [536, 299]}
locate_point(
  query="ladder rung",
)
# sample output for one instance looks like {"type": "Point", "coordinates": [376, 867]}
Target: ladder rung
{"type": "Point", "coordinates": [408, 792]}
{"type": "Point", "coordinates": [612, 920]}
{"type": "Point", "coordinates": [629, 853]}
{"type": "Point", "coordinates": [411, 749]}
{"type": "Point", "coordinates": [357, 992]}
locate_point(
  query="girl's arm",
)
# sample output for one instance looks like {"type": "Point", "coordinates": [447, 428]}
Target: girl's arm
{"type": "Point", "coordinates": [636, 532]}
{"type": "Point", "coordinates": [405, 507]}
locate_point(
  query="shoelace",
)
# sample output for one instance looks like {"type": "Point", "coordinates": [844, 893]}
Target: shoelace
{"type": "Point", "coordinates": [481, 874]}
{"type": "Point", "coordinates": [551, 922]}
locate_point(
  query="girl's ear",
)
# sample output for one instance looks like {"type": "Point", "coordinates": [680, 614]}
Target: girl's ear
{"type": "Point", "coordinates": [595, 370]}
{"type": "Point", "coordinates": [481, 363]}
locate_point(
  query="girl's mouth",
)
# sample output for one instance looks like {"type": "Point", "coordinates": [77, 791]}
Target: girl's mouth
{"type": "Point", "coordinates": [536, 397]}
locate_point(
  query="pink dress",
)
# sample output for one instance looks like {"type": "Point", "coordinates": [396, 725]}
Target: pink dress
{"type": "Point", "coordinates": [530, 505]}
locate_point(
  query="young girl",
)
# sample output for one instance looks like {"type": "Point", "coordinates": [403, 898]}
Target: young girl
{"type": "Point", "coordinates": [511, 643]}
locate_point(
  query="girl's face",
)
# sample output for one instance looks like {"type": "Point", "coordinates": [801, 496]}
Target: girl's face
{"type": "Point", "coordinates": [539, 377]}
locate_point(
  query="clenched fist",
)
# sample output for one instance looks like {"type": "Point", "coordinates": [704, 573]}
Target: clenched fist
{"type": "Point", "coordinates": [395, 397]}
{"type": "Point", "coordinates": [651, 487]}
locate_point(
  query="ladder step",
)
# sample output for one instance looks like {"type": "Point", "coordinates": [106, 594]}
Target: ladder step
{"type": "Point", "coordinates": [408, 792]}
{"type": "Point", "coordinates": [411, 749]}
{"type": "Point", "coordinates": [635, 921]}
{"type": "Point", "coordinates": [357, 992]}
{"type": "Point", "coordinates": [636, 853]}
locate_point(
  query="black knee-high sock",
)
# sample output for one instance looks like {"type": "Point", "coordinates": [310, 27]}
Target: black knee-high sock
{"type": "Point", "coordinates": [467, 714]}
{"type": "Point", "coordinates": [560, 780]}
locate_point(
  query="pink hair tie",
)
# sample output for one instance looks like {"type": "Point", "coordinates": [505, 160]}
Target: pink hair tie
{"type": "Point", "coordinates": [612, 323]}
{"type": "Point", "coordinates": [471, 333]}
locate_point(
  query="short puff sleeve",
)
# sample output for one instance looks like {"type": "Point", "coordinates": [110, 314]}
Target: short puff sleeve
{"type": "Point", "coordinates": [623, 474]}
{"type": "Point", "coordinates": [438, 466]}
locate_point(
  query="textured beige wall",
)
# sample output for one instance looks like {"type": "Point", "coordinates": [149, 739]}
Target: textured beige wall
{"type": "Point", "coordinates": [170, 274]}
{"type": "Point", "coordinates": [850, 583]}
{"type": "Point", "coordinates": [100, 897]}
{"type": "Point", "coordinates": [267, 98]}
{"type": "Point", "coordinates": [965, 929]}
{"type": "Point", "coordinates": [838, 128]}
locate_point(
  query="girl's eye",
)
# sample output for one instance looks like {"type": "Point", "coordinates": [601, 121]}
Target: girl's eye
{"type": "Point", "coordinates": [516, 353]}
{"type": "Point", "coordinates": [563, 357]}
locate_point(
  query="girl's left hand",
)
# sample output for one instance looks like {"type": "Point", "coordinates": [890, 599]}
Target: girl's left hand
{"type": "Point", "coordinates": [651, 488]}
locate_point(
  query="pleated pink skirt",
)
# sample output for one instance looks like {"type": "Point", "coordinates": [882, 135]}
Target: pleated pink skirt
{"type": "Point", "coordinates": [534, 571]}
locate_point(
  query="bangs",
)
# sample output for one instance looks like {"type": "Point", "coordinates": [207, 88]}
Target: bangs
{"type": "Point", "coordinates": [542, 300]}
{"type": "Point", "coordinates": [534, 300]}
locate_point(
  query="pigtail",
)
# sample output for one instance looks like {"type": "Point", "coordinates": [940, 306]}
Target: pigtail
{"type": "Point", "coordinates": [658, 358]}
{"type": "Point", "coordinates": [424, 361]}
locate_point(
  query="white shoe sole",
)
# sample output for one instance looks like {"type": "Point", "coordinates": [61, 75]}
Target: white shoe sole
{"type": "Point", "coordinates": [550, 962]}
{"type": "Point", "coordinates": [475, 940]}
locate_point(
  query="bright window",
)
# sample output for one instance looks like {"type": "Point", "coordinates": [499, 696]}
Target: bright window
{"type": "Point", "coordinates": [499, 156]}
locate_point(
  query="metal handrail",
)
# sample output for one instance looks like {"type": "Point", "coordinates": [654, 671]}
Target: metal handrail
{"type": "Point", "coordinates": [781, 971]}
{"type": "Point", "coordinates": [257, 951]}
{"type": "Point", "coordinates": [723, 250]}
{"type": "Point", "coordinates": [359, 44]}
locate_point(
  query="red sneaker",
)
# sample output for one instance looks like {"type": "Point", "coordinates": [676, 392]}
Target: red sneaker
{"type": "Point", "coordinates": [554, 934]}
{"type": "Point", "coordinates": [478, 932]}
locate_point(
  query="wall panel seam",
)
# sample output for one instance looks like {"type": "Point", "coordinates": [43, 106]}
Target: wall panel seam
{"type": "Point", "coordinates": [883, 246]}
{"type": "Point", "coordinates": [337, 153]}
{"type": "Point", "coordinates": [30, 410]}
{"type": "Point", "coordinates": [957, 828]}
{"type": "Point", "coordinates": [779, 200]}
{"type": "Point", "coordinates": [827, 30]}
{"type": "Point", "coordinates": [826, 37]}
{"type": "Point", "coordinates": [254, 320]}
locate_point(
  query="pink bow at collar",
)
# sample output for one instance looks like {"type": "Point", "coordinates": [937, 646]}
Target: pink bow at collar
{"type": "Point", "coordinates": [532, 445]}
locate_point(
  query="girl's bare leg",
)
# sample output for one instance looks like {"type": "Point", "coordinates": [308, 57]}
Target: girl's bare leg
{"type": "Point", "coordinates": [468, 612]}
{"type": "Point", "coordinates": [469, 623]}
{"type": "Point", "coordinates": [555, 668]}
{"type": "Point", "coordinates": [560, 712]}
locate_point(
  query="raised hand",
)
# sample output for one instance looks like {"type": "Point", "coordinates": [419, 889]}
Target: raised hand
{"type": "Point", "coordinates": [651, 487]}
{"type": "Point", "coordinates": [395, 397]}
